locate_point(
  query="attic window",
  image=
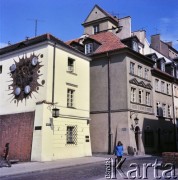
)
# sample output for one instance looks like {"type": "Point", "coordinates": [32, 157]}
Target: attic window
{"type": "Point", "coordinates": [135, 46]}
{"type": "Point", "coordinates": [96, 29]}
{"type": "Point", "coordinates": [172, 71]}
{"type": "Point", "coordinates": [88, 48]}
{"type": "Point", "coordinates": [162, 66]}
{"type": "Point", "coordinates": [177, 73]}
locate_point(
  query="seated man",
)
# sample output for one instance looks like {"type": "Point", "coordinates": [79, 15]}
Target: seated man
{"type": "Point", "coordinates": [6, 154]}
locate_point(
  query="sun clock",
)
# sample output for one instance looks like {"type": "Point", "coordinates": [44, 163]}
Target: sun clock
{"type": "Point", "coordinates": [25, 75]}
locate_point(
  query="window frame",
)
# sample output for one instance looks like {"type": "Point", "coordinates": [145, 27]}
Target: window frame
{"type": "Point", "coordinates": [162, 86]}
{"type": "Point", "coordinates": [163, 66]}
{"type": "Point", "coordinates": [133, 94]}
{"type": "Point", "coordinates": [71, 135]}
{"type": "Point", "coordinates": [168, 89]}
{"type": "Point", "coordinates": [149, 138]}
{"type": "Point", "coordinates": [177, 73]}
{"type": "Point", "coordinates": [158, 108]}
{"type": "Point", "coordinates": [169, 110]}
{"type": "Point", "coordinates": [146, 73]}
{"type": "Point", "coordinates": [132, 68]}
{"type": "Point", "coordinates": [148, 98]}
{"type": "Point", "coordinates": [164, 109]}
{"type": "Point", "coordinates": [88, 48]}
{"type": "Point", "coordinates": [140, 96]}
{"type": "Point", "coordinates": [96, 29]}
{"type": "Point", "coordinates": [71, 65]}
{"type": "Point", "coordinates": [70, 98]}
{"type": "Point", "coordinates": [157, 84]}
{"type": "Point", "coordinates": [140, 73]}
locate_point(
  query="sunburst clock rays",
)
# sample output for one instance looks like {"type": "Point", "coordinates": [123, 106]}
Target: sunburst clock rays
{"type": "Point", "coordinates": [25, 75]}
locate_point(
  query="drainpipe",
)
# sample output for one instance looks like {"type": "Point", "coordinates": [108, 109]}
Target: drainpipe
{"type": "Point", "coordinates": [54, 62]}
{"type": "Point", "coordinates": [109, 108]}
{"type": "Point", "coordinates": [174, 118]}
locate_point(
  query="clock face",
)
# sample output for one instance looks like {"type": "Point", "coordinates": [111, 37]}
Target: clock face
{"type": "Point", "coordinates": [25, 75]}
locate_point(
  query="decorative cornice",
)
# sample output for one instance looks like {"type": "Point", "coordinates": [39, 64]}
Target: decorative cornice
{"type": "Point", "coordinates": [141, 83]}
{"type": "Point", "coordinates": [45, 102]}
{"type": "Point", "coordinates": [73, 85]}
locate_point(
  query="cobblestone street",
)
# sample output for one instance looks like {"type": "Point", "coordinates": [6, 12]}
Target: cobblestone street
{"type": "Point", "coordinates": [97, 171]}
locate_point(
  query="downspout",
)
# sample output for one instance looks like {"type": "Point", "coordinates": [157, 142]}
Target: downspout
{"type": "Point", "coordinates": [109, 108]}
{"type": "Point", "coordinates": [53, 81]}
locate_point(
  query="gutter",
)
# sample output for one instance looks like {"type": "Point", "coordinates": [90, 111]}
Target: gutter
{"type": "Point", "coordinates": [109, 107]}
{"type": "Point", "coordinates": [53, 80]}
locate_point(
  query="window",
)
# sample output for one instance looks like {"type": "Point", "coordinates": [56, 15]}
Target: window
{"type": "Point", "coordinates": [156, 84]}
{"type": "Point", "coordinates": [164, 110]}
{"type": "Point", "coordinates": [71, 135]}
{"type": "Point", "coordinates": [71, 64]}
{"type": "Point", "coordinates": [172, 71]}
{"type": "Point", "coordinates": [132, 65]}
{"type": "Point", "coordinates": [168, 136]}
{"type": "Point", "coordinates": [162, 86]}
{"type": "Point", "coordinates": [158, 109]}
{"type": "Point", "coordinates": [162, 66]}
{"type": "Point", "coordinates": [168, 89]}
{"type": "Point", "coordinates": [135, 46]}
{"type": "Point", "coordinates": [175, 91]}
{"type": "Point", "coordinates": [96, 29]}
{"type": "Point", "coordinates": [148, 98]}
{"type": "Point", "coordinates": [140, 71]}
{"type": "Point", "coordinates": [177, 113]}
{"type": "Point", "coordinates": [133, 94]}
{"type": "Point", "coordinates": [140, 96]}
{"type": "Point", "coordinates": [1, 69]}
{"type": "Point", "coordinates": [88, 48]}
{"type": "Point", "coordinates": [149, 138]}
{"type": "Point", "coordinates": [177, 73]}
{"type": "Point", "coordinates": [169, 111]}
{"type": "Point", "coordinates": [146, 73]}
{"type": "Point", "coordinates": [70, 98]}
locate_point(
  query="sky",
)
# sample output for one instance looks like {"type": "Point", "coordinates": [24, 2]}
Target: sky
{"type": "Point", "coordinates": [63, 18]}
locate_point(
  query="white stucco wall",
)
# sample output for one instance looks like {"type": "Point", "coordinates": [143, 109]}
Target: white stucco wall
{"type": "Point", "coordinates": [49, 143]}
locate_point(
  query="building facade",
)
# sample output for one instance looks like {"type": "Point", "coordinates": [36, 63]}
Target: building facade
{"type": "Point", "coordinates": [124, 99]}
{"type": "Point", "coordinates": [38, 76]}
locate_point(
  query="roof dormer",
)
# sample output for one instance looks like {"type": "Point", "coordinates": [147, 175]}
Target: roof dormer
{"type": "Point", "coordinates": [153, 57]}
{"type": "Point", "coordinates": [90, 45]}
{"type": "Point", "coordinates": [133, 43]}
{"type": "Point", "coordinates": [161, 64]}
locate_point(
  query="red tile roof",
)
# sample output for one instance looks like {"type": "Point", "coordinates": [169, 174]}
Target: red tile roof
{"type": "Point", "coordinates": [108, 41]}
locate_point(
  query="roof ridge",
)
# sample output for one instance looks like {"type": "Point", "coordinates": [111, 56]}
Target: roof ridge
{"type": "Point", "coordinates": [102, 10]}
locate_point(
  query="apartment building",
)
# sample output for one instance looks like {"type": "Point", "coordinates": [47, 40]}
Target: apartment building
{"type": "Point", "coordinates": [125, 101]}
{"type": "Point", "coordinates": [44, 107]}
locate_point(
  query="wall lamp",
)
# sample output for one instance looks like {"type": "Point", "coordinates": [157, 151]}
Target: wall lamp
{"type": "Point", "coordinates": [135, 119]}
{"type": "Point", "coordinates": [55, 112]}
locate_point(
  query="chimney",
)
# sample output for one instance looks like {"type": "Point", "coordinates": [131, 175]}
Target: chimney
{"type": "Point", "coordinates": [169, 43]}
{"type": "Point", "coordinates": [155, 42]}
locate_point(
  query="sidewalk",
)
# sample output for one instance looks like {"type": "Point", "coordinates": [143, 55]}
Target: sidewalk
{"type": "Point", "coordinates": [29, 167]}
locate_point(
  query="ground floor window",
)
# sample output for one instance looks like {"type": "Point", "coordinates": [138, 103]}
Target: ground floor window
{"type": "Point", "coordinates": [71, 135]}
{"type": "Point", "coordinates": [168, 136]}
{"type": "Point", "coordinates": [149, 138]}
